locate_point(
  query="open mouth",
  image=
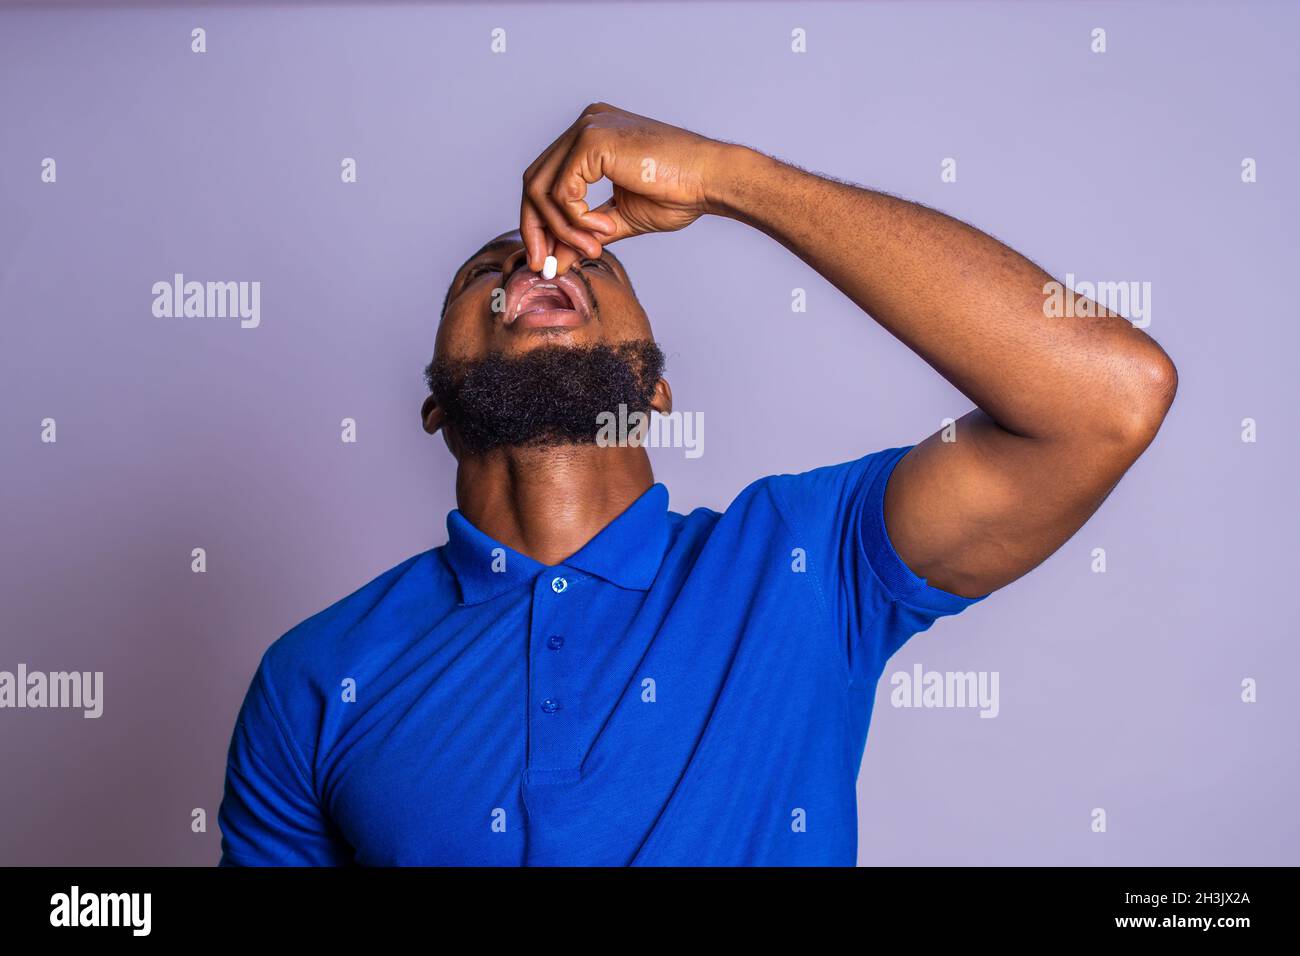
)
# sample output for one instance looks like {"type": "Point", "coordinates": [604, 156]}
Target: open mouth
{"type": "Point", "coordinates": [535, 303]}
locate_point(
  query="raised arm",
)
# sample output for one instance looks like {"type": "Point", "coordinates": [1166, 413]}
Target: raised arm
{"type": "Point", "coordinates": [1064, 405]}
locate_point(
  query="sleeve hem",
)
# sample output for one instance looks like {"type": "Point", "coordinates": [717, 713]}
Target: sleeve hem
{"type": "Point", "coordinates": [904, 585]}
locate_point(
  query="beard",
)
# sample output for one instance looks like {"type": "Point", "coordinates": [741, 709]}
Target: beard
{"type": "Point", "coordinates": [551, 395]}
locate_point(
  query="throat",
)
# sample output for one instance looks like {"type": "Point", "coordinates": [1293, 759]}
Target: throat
{"type": "Point", "coordinates": [547, 503]}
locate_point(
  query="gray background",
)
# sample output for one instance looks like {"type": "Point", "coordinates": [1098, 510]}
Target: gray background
{"type": "Point", "coordinates": [1118, 690]}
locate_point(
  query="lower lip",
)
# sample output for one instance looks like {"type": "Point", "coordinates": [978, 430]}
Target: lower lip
{"type": "Point", "coordinates": [549, 319]}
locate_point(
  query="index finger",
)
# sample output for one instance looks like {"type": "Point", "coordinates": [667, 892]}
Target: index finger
{"type": "Point", "coordinates": [532, 229]}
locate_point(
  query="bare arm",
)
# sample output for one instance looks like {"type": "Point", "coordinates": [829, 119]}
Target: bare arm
{"type": "Point", "coordinates": [1064, 405]}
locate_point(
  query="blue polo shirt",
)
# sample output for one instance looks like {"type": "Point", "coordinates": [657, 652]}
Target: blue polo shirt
{"type": "Point", "coordinates": [684, 690]}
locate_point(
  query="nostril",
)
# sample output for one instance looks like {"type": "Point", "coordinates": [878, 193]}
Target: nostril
{"type": "Point", "coordinates": [513, 263]}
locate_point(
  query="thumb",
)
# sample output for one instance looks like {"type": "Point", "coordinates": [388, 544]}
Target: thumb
{"type": "Point", "coordinates": [621, 226]}
{"type": "Point", "coordinates": [614, 226]}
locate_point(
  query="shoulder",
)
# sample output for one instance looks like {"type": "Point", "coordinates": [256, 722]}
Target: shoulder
{"type": "Point", "coordinates": [832, 487]}
{"type": "Point", "coordinates": [820, 493]}
{"type": "Point", "coordinates": [381, 610]}
{"type": "Point", "coordinates": [814, 501]}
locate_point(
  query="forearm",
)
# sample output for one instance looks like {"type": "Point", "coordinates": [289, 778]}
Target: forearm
{"type": "Point", "coordinates": [1065, 404]}
{"type": "Point", "coordinates": [969, 305]}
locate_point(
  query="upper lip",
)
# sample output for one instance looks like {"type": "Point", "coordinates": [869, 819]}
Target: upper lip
{"type": "Point", "coordinates": [524, 279]}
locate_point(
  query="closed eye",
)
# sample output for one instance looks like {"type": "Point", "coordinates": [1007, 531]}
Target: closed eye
{"type": "Point", "coordinates": [478, 270]}
{"type": "Point", "coordinates": [598, 263]}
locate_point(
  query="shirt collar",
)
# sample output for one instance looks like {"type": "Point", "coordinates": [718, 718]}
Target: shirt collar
{"type": "Point", "coordinates": [627, 552]}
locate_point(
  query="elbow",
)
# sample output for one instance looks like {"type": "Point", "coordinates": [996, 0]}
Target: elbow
{"type": "Point", "coordinates": [1146, 383]}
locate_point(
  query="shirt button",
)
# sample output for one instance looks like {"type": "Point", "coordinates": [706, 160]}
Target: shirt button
{"type": "Point", "coordinates": [559, 585]}
{"type": "Point", "coordinates": [555, 642]}
{"type": "Point", "coordinates": [550, 705]}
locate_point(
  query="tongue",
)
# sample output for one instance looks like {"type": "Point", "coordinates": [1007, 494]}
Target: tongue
{"type": "Point", "coordinates": [545, 299]}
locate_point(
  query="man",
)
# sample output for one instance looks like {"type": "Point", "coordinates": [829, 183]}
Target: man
{"type": "Point", "coordinates": [580, 676]}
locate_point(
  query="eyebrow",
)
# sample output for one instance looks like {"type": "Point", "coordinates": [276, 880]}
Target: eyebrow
{"type": "Point", "coordinates": [503, 243]}
{"type": "Point", "coordinates": [492, 246]}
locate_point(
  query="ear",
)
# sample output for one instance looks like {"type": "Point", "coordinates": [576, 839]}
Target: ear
{"type": "Point", "coordinates": [431, 415]}
{"type": "Point", "coordinates": [662, 400]}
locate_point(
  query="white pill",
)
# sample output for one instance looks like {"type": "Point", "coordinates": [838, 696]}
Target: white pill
{"type": "Point", "coordinates": [549, 267]}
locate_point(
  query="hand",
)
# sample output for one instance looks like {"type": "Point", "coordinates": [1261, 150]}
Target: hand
{"type": "Point", "coordinates": [660, 174]}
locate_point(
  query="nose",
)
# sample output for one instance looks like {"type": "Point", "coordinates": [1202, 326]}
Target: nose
{"type": "Point", "coordinates": [512, 263]}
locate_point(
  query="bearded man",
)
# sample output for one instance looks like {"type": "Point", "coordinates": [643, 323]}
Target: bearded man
{"type": "Point", "coordinates": [581, 676]}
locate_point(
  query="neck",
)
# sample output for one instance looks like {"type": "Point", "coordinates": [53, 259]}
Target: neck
{"type": "Point", "coordinates": [549, 502]}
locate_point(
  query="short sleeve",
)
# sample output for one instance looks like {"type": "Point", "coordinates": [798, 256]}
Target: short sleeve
{"type": "Point", "coordinates": [873, 600]}
{"type": "Point", "coordinates": [269, 815]}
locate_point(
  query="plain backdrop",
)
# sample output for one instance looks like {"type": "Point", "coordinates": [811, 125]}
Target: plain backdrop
{"type": "Point", "coordinates": [1119, 690]}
